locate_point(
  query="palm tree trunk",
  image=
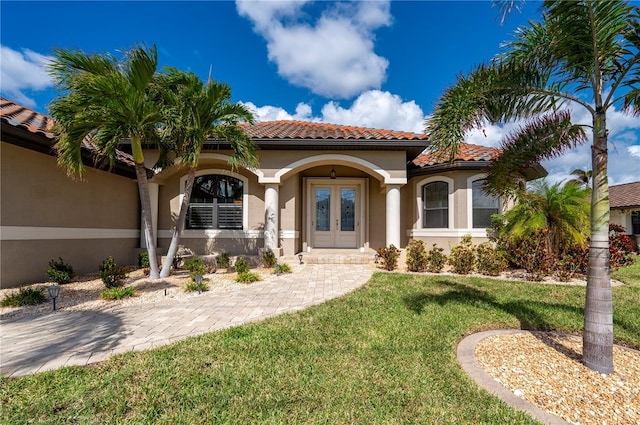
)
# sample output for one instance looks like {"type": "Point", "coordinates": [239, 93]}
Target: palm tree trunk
{"type": "Point", "coordinates": [177, 230]}
{"type": "Point", "coordinates": [143, 189]}
{"type": "Point", "coordinates": [598, 318]}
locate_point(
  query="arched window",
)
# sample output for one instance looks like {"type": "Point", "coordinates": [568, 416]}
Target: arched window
{"type": "Point", "coordinates": [483, 206]}
{"type": "Point", "coordinates": [216, 203]}
{"type": "Point", "coordinates": [435, 205]}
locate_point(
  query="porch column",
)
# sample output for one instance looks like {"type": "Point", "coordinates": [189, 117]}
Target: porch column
{"type": "Point", "coordinates": [271, 216]}
{"type": "Point", "coordinates": [393, 215]}
{"type": "Point", "coordinates": [153, 201]}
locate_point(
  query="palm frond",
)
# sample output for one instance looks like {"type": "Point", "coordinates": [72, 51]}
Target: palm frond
{"type": "Point", "coordinates": [543, 138]}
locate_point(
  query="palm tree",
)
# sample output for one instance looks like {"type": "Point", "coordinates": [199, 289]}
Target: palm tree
{"type": "Point", "coordinates": [584, 53]}
{"type": "Point", "coordinates": [561, 211]}
{"type": "Point", "coordinates": [104, 100]}
{"type": "Point", "coordinates": [195, 112]}
{"type": "Point", "coordinates": [583, 177]}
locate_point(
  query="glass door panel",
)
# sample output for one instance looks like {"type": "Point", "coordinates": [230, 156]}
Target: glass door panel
{"type": "Point", "coordinates": [323, 210]}
{"type": "Point", "coordinates": [347, 210]}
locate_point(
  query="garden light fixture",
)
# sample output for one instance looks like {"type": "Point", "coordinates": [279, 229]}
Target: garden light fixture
{"type": "Point", "coordinates": [54, 291]}
{"type": "Point", "coordinates": [300, 258]}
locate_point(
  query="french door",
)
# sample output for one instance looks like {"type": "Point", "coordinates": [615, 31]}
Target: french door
{"type": "Point", "coordinates": [335, 215]}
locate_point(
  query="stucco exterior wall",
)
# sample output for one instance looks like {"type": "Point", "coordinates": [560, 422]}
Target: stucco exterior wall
{"type": "Point", "coordinates": [46, 215]}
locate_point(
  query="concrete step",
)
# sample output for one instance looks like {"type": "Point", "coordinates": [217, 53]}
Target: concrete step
{"type": "Point", "coordinates": [333, 256]}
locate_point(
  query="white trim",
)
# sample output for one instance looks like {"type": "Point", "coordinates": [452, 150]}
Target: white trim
{"type": "Point", "coordinates": [469, 190]}
{"type": "Point", "coordinates": [245, 189]}
{"type": "Point", "coordinates": [447, 233]}
{"type": "Point", "coordinates": [450, 199]}
{"type": "Point", "coordinates": [213, 234]}
{"type": "Point", "coordinates": [358, 163]}
{"type": "Point", "coordinates": [289, 234]}
{"type": "Point", "coordinates": [25, 233]}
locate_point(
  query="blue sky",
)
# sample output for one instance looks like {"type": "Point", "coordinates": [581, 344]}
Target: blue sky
{"type": "Point", "coordinates": [375, 64]}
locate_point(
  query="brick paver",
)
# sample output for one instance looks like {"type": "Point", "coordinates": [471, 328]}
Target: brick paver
{"type": "Point", "coordinates": [63, 338]}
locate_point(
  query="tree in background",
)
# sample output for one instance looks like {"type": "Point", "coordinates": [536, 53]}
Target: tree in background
{"type": "Point", "coordinates": [584, 53]}
{"type": "Point", "coordinates": [104, 100]}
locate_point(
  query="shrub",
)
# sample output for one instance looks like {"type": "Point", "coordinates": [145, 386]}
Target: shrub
{"type": "Point", "coordinates": [436, 259]}
{"type": "Point", "coordinates": [389, 256]}
{"type": "Point", "coordinates": [143, 260]}
{"type": "Point", "coordinates": [196, 267]}
{"type": "Point", "coordinates": [417, 259]}
{"type": "Point", "coordinates": [25, 296]}
{"type": "Point", "coordinates": [565, 270]}
{"type": "Point", "coordinates": [241, 265]}
{"type": "Point", "coordinates": [118, 293]}
{"type": "Point", "coordinates": [462, 256]}
{"type": "Point", "coordinates": [282, 268]}
{"type": "Point", "coordinates": [223, 260]}
{"type": "Point", "coordinates": [489, 261]}
{"type": "Point", "coordinates": [531, 254]}
{"type": "Point", "coordinates": [60, 272]}
{"type": "Point", "coordinates": [192, 286]}
{"type": "Point", "coordinates": [621, 247]}
{"type": "Point", "coordinates": [269, 258]}
{"type": "Point", "coordinates": [247, 277]}
{"type": "Point", "coordinates": [111, 274]}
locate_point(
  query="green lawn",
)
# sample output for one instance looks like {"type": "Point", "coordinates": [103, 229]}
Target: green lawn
{"type": "Point", "coordinates": [383, 354]}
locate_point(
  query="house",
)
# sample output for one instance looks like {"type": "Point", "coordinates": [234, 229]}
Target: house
{"type": "Point", "coordinates": [317, 186]}
{"type": "Point", "coordinates": [624, 200]}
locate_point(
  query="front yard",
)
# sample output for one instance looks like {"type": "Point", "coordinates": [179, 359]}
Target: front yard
{"type": "Point", "coordinates": [382, 354]}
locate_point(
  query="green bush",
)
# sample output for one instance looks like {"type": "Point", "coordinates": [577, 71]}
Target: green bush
{"type": "Point", "coordinates": [223, 260]}
{"type": "Point", "coordinates": [25, 296]}
{"type": "Point", "coordinates": [489, 261]}
{"type": "Point", "coordinates": [269, 258]}
{"type": "Point", "coordinates": [247, 277]}
{"type": "Point", "coordinates": [530, 253]}
{"type": "Point", "coordinates": [241, 265]}
{"type": "Point", "coordinates": [417, 259]}
{"type": "Point", "coordinates": [389, 256]}
{"type": "Point", "coordinates": [462, 256]}
{"type": "Point", "coordinates": [196, 267]}
{"type": "Point", "coordinates": [282, 268]}
{"type": "Point", "coordinates": [436, 259]}
{"type": "Point", "coordinates": [192, 286]}
{"type": "Point", "coordinates": [111, 274]}
{"type": "Point", "coordinates": [118, 292]}
{"type": "Point", "coordinates": [60, 272]}
{"type": "Point", "coordinates": [143, 260]}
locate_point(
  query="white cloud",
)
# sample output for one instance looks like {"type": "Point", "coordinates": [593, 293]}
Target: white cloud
{"type": "Point", "coordinates": [374, 109]}
{"type": "Point", "coordinates": [334, 55]}
{"type": "Point", "coordinates": [377, 109]}
{"type": "Point", "coordinates": [21, 72]}
{"type": "Point", "coordinates": [634, 150]}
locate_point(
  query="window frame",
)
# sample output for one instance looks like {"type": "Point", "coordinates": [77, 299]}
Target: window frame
{"type": "Point", "coordinates": [470, 208]}
{"type": "Point", "coordinates": [420, 202]}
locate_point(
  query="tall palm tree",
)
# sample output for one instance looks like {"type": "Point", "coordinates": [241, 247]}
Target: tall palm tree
{"type": "Point", "coordinates": [107, 100]}
{"type": "Point", "coordinates": [194, 112]}
{"type": "Point", "coordinates": [584, 53]}
{"type": "Point", "coordinates": [562, 211]}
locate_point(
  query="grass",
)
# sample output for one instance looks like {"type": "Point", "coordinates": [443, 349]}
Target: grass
{"type": "Point", "coordinates": [382, 354]}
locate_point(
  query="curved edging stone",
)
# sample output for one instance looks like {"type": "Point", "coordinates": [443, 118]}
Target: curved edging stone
{"type": "Point", "coordinates": [466, 353]}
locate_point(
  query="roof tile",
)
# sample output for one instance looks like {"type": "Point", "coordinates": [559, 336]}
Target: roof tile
{"type": "Point", "coordinates": [468, 152]}
{"type": "Point", "coordinates": [625, 195]}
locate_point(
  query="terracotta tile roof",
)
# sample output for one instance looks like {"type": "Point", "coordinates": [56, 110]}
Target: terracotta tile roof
{"type": "Point", "coordinates": [625, 195]}
{"type": "Point", "coordinates": [317, 131]}
{"type": "Point", "coordinates": [20, 116]}
{"type": "Point", "coordinates": [468, 152]}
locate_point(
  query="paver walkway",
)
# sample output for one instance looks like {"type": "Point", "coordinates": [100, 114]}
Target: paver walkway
{"type": "Point", "coordinates": [63, 338]}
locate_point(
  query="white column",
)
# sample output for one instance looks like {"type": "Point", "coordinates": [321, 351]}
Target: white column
{"type": "Point", "coordinates": [153, 201]}
{"type": "Point", "coordinates": [271, 216]}
{"type": "Point", "coordinates": [393, 215]}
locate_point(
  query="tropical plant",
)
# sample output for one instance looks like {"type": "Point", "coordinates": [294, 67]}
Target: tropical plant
{"type": "Point", "coordinates": [489, 260]}
{"type": "Point", "coordinates": [436, 260]}
{"type": "Point", "coordinates": [103, 101]}
{"type": "Point", "coordinates": [462, 258]}
{"type": "Point", "coordinates": [247, 277]}
{"type": "Point", "coordinates": [223, 260]}
{"type": "Point", "coordinates": [583, 177]}
{"type": "Point", "coordinates": [583, 53]}
{"type": "Point", "coordinates": [60, 272]}
{"type": "Point", "coordinates": [24, 296]}
{"type": "Point", "coordinates": [269, 258]}
{"type": "Point", "coordinates": [561, 211]}
{"type": "Point", "coordinates": [111, 274]}
{"type": "Point", "coordinates": [389, 257]}
{"type": "Point", "coordinates": [417, 260]}
{"type": "Point", "coordinates": [196, 267]}
{"type": "Point", "coordinates": [282, 268]}
{"type": "Point", "coordinates": [195, 111]}
{"type": "Point", "coordinates": [118, 292]}
{"type": "Point", "coordinates": [241, 265]}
